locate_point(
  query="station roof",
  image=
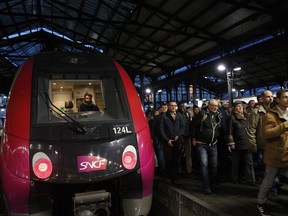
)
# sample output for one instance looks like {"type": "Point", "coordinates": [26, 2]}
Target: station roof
{"type": "Point", "coordinates": [154, 37]}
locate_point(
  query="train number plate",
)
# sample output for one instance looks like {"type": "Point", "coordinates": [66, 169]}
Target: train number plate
{"type": "Point", "coordinates": [121, 130]}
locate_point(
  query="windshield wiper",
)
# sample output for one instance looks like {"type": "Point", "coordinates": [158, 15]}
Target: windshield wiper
{"type": "Point", "coordinates": [73, 124]}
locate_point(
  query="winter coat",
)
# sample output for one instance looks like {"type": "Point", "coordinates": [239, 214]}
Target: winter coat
{"type": "Point", "coordinates": [254, 127]}
{"type": "Point", "coordinates": [170, 128]}
{"type": "Point", "coordinates": [237, 133]}
{"type": "Point", "coordinates": [186, 119]}
{"type": "Point", "coordinates": [205, 127]}
{"type": "Point", "coordinates": [275, 134]}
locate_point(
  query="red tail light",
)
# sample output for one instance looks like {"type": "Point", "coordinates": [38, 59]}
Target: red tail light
{"type": "Point", "coordinates": [129, 157]}
{"type": "Point", "coordinates": [42, 165]}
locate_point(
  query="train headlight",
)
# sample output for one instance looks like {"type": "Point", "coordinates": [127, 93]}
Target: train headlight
{"type": "Point", "coordinates": [42, 165]}
{"type": "Point", "coordinates": [129, 157]}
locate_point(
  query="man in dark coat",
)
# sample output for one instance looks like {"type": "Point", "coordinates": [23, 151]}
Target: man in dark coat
{"type": "Point", "coordinates": [171, 132]}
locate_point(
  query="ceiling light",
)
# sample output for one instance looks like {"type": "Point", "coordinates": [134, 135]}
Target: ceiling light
{"type": "Point", "coordinates": [221, 67]}
{"type": "Point", "coordinates": [237, 68]}
{"type": "Point", "coordinates": [148, 91]}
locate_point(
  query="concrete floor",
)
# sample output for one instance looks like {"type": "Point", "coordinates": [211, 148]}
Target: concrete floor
{"type": "Point", "coordinates": [187, 198]}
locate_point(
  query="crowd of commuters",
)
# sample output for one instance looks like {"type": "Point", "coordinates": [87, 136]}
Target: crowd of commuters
{"type": "Point", "coordinates": [250, 139]}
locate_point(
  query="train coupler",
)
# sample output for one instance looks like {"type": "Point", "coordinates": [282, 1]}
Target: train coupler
{"type": "Point", "coordinates": [92, 203]}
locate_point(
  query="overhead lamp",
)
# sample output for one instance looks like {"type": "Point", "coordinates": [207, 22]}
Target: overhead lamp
{"type": "Point", "coordinates": [238, 68]}
{"type": "Point", "coordinates": [148, 91]}
{"type": "Point", "coordinates": [221, 67]}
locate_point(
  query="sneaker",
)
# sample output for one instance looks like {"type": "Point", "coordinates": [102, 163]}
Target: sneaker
{"type": "Point", "coordinates": [264, 211]}
{"type": "Point", "coordinates": [207, 191]}
{"type": "Point", "coordinates": [274, 198]}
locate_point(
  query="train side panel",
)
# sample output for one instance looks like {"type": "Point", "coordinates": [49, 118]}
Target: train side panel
{"type": "Point", "coordinates": [134, 207]}
{"type": "Point", "coordinates": [15, 143]}
{"type": "Point", "coordinates": [143, 133]}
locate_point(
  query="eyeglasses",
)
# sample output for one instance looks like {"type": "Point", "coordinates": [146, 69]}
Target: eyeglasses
{"type": "Point", "coordinates": [173, 105]}
{"type": "Point", "coordinates": [284, 97]}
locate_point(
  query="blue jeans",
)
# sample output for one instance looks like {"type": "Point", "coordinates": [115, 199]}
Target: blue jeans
{"type": "Point", "coordinates": [208, 164]}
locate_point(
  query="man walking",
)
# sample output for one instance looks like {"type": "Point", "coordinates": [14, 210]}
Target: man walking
{"type": "Point", "coordinates": [255, 138]}
{"type": "Point", "coordinates": [205, 131]}
{"type": "Point", "coordinates": [275, 134]}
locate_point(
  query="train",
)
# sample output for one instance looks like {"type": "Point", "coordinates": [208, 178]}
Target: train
{"type": "Point", "coordinates": [58, 160]}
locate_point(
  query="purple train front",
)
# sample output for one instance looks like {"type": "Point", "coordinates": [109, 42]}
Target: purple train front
{"type": "Point", "coordinates": [56, 160]}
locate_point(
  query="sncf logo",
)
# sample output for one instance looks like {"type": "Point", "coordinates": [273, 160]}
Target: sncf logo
{"type": "Point", "coordinates": [91, 163]}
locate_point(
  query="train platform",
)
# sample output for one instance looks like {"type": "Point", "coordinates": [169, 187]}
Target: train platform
{"type": "Point", "coordinates": [186, 197]}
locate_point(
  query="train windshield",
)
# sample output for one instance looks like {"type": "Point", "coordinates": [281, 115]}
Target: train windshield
{"type": "Point", "coordinates": [77, 95]}
{"type": "Point", "coordinates": [99, 98]}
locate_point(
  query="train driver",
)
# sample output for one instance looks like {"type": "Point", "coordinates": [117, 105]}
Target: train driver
{"type": "Point", "coordinates": [87, 104]}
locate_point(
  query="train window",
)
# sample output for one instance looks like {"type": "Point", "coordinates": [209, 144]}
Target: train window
{"type": "Point", "coordinates": [61, 99]}
{"type": "Point", "coordinates": [69, 95]}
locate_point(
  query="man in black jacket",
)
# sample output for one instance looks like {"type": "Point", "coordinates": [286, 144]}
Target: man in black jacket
{"type": "Point", "coordinates": [171, 131]}
{"type": "Point", "coordinates": [87, 104]}
{"type": "Point", "coordinates": [154, 125]}
{"type": "Point", "coordinates": [205, 131]}
{"type": "Point", "coordinates": [186, 138]}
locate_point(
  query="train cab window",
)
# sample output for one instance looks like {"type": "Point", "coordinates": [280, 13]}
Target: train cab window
{"type": "Point", "coordinates": [69, 95]}
{"type": "Point", "coordinates": [63, 97]}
